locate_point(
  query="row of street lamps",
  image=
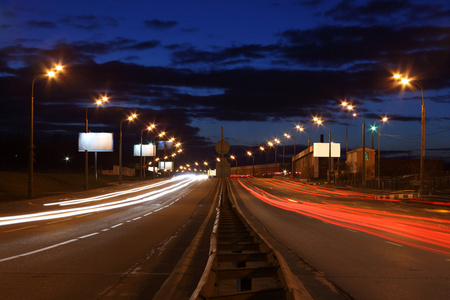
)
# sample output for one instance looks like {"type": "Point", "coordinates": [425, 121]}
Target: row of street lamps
{"type": "Point", "coordinates": [98, 102]}
{"type": "Point", "coordinates": [349, 107]}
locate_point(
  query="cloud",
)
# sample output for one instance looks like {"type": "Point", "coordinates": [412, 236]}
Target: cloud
{"type": "Point", "coordinates": [381, 11]}
{"type": "Point", "coordinates": [41, 24]}
{"type": "Point", "coordinates": [89, 22]}
{"type": "Point", "coordinates": [160, 25]}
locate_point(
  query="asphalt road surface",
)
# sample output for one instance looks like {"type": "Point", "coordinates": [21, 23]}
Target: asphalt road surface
{"type": "Point", "coordinates": [359, 247]}
{"type": "Point", "coordinates": [117, 244]}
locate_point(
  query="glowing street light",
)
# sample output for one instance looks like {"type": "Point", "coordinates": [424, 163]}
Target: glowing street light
{"type": "Point", "coordinates": [406, 81]}
{"type": "Point", "coordinates": [319, 122]}
{"type": "Point", "coordinates": [232, 157]}
{"type": "Point", "coordinates": [149, 128]}
{"type": "Point", "coordinates": [31, 162]}
{"type": "Point", "coordinates": [251, 154]}
{"type": "Point", "coordinates": [97, 102]}
{"type": "Point", "coordinates": [384, 120]}
{"type": "Point", "coordinates": [275, 143]}
{"type": "Point", "coordinates": [302, 129]}
{"type": "Point", "coordinates": [363, 178]}
{"type": "Point", "coordinates": [129, 119]}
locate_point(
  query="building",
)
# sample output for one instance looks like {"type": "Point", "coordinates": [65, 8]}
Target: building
{"type": "Point", "coordinates": [354, 163]}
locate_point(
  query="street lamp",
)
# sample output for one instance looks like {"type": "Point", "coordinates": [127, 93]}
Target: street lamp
{"type": "Point", "coordinates": [406, 81]}
{"type": "Point", "coordinates": [129, 118]}
{"type": "Point", "coordinates": [384, 119]}
{"type": "Point", "coordinates": [149, 128]}
{"type": "Point", "coordinates": [267, 158]}
{"type": "Point", "coordinates": [235, 160]}
{"type": "Point", "coordinates": [319, 122]}
{"type": "Point", "coordinates": [288, 136]}
{"type": "Point", "coordinates": [275, 143]}
{"type": "Point", "coordinates": [301, 129]}
{"type": "Point", "coordinates": [97, 102]}
{"type": "Point", "coordinates": [31, 162]}
{"type": "Point", "coordinates": [350, 108]}
{"type": "Point", "coordinates": [250, 154]}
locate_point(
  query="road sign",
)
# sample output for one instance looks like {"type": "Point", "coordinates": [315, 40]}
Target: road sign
{"type": "Point", "coordinates": [222, 147]}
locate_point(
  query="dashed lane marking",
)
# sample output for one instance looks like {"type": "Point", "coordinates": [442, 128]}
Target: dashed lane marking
{"type": "Point", "coordinates": [395, 244]}
{"type": "Point", "coordinates": [22, 228]}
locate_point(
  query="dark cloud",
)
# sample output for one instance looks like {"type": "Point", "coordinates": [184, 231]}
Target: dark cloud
{"type": "Point", "coordinates": [394, 11]}
{"type": "Point", "coordinates": [41, 24]}
{"type": "Point", "coordinates": [158, 24]}
{"type": "Point", "coordinates": [89, 22]}
{"type": "Point", "coordinates": [229, 55]}
{"type": "Point", "coordinates": [309, 2]}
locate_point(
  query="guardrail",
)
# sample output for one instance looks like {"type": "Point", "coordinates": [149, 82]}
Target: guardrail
{"type": "Point", "coordinates": [241, 264]}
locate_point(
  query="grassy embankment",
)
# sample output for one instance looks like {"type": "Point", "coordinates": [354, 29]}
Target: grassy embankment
{"type": "Point", "coordinates": [14, 185]}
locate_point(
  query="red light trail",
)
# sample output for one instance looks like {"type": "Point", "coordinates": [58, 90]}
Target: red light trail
{"type": "Point", "coordinates": [430, 234]}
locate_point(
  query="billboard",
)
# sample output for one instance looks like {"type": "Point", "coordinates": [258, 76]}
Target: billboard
{"type": "Point", "coordinates": [95, 141]}
{"type": "Point", "coordinates": [322, 150]}
{"type": "Point", "coordinates": [165, 165]}
{"type": "Point", "coordinates": [164, 144]}
{"type": "Point", "coordinates": [147, 150]}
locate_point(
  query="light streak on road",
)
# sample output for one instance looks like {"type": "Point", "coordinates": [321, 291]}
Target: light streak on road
{"type": "Point", "coordinates": [321, 192]}
{"type": "Point", "coordinates": [64, 213]}
{"type": "Point", "coordinates": [430, 234]}
{"type": "Point", "coordinates": [107, 196]}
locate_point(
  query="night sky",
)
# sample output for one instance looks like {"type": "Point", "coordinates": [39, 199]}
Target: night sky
{"type": "Point", "coordinates": [255, 68]}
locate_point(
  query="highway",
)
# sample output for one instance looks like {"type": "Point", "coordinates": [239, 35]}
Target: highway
{"type": "Point", "coordinates": [122, 243]}
{"type": "Point", "coordinates": [358, 247]}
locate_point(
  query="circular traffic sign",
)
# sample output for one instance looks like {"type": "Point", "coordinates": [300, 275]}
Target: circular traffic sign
{"type": "Point", "coordinates": [222, 147]}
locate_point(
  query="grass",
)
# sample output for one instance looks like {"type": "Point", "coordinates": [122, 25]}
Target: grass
{"type": "Point", "coordinates": [14, 185]}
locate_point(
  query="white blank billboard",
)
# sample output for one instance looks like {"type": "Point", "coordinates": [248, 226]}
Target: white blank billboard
{"type": "Point", "coordinates": [167, 165]}
{"type": "Point", "coordinates": [322, 150]}
{"type": "Point", "coordinates": [95, 141]}
{"type": "Point", "coordinates": [147, 150]}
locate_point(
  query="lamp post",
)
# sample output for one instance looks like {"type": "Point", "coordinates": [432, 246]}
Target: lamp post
{"type": "Point", "coordinates": [363, 177]}
{"type": "Point", "coordinates": [320, 121]}
{"type": "Point", "coordinates": [288, 136]}
{"type": "Point", "coordinates": [267, 158]}
{"type": "Point", "coordinates": [130, 118]}
{"type": "Point", "coordinates": [31, 154]}
{"type": "Point", "coordinates": [417, 83]}
{"type": "Point", "coordinates": [86, 156]}
{"type": "Point", "coordinates": [275, 143]}
{"type": "Point", "coordinates": [235, 160]}
{"type": "Point", "coordinates": [301, 129]}
{"type": "Point", "coordinates": [250, 154]}
{"type": "Point", "coordinates": [149, 128]}
{"type": "Point", "coordinates": [384, 119]}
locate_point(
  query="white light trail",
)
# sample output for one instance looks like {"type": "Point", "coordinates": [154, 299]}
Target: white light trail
{"type": "Point", "coordinates": [64, 213]}
{"type": "Point", "coordinates": [106, 196]}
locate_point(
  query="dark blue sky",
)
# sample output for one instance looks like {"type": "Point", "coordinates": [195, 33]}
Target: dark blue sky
{"type": "Point", "coordinates": [256, 68]}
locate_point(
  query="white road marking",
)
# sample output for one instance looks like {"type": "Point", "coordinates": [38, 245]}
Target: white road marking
{"type": "Point", "coordinates": [39, 250]}
{"type": "Point", "coordinates": [83, 215]}
{"type": "Point", "coordinates": [88, 235]}
{"type": "Point", "coordinates": [120, 224]}
{"type": "Point", "coordinates": [395, 244]}
{"type": "Point", "coordinates": [58, 221]}
{"type": "Point", "coordinates": [22, 228]}
{"type": "Point", "coordinates": [351, 230]}
{"type": "Point", "coordinates": [136, 218]}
